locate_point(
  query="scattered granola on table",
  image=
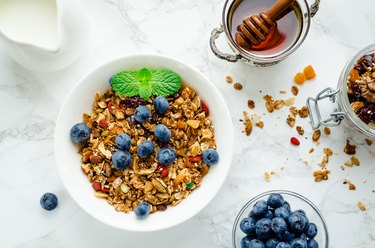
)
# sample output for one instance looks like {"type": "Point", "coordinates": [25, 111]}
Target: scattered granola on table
{"type": "Point", "coordinates": [251, 104]}
{"type": "Point", "coordinates": [237, 86]}
{"type": "Point", "coordinates": [144, 154]}
{"type": "Point", "coordinates": [229, 79]}
{"type": "Point", "coordinates": [320, 175]}
{"type": "Point", "coordinates": [316, 135]}
{"type": "Point", "coordinates": [361, 206]}
{"type": "Point", "coordinates": [350, 149]}
{"type": "Point", "coordinates": [327, 131]}
{"type": "Point", "coordinates": [248, 124]}
{"type": "Point", "coordinates": [368, 142]}
{"type": "Point", "coordinates": [294, 90]}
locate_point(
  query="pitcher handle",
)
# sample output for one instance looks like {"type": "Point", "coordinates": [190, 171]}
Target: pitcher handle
{"type": "Point", "coordinates": [314, 8]}
{"type": "Point", "coordinates": [225, 56]}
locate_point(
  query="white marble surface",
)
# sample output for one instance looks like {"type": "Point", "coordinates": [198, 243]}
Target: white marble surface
{"type": "Point", "coordinates": [30, 103]}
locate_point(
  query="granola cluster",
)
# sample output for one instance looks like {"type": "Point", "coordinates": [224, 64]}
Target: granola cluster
{"type": "Point", "coordinates": [145, 180]}
{"type": "Point", "coordinates": [361, 89]}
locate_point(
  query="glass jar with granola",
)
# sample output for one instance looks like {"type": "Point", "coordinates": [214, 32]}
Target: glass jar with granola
{"type": "Point", "coordinates": [354, 97]}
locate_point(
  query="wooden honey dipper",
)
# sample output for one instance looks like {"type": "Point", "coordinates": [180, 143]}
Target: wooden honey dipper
{"type": "Point", "coordinates": [259, 28]}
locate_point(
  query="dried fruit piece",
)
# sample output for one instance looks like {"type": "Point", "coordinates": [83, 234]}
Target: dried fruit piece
{"type": "Point", "coordinates": [309, 72]}
{"type": "Point", "coordinates": [237, 86]}
{"type": "Point", "coordinates": [294, 141]}
{"type": "Point", "coordinates": [195, 159]}
{"type": "Point", "coordinates": [354, 75]}
{"type": "Point", "coordinates": [96, 186]}
{"type": "Point", "coordinates": [205, 108]}
{"type": "Point", "coordinates": [103, 123]}
{"type": "Point", "coordinates": [299, 78]}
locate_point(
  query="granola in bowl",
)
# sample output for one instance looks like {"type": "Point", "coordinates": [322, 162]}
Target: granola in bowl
{"type": "Point", "coordinates": [146, 179]}
{"type": "Point", "coordinates": [69, 160]}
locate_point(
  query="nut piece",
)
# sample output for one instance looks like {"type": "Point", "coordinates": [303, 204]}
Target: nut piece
{"type": "Point", "coordinates": [300, 130]}
{"type": "Point", "coordinates": [193, 123]}
{"type": "Point", "coordinates": [248, 124]}
{"type": "Point", "coordinates": [350, 149]}
{"type": "Point", "coordinates": [237, 86]}
{"type": "Point", "coordinates": [295, 90]}
{"type": "Point", "coordinates": [278, 104]}
{"type": "Point", "coordinates": [251, 104]}
{"type": "Point", "coordinates": [290, 101]}
{"type": "Point", "coordinates": [316, 135]}
{"type": "Point", "coordinates": [270, 106]}
{"type": "Point", "coordinates": [267, 177]}
{"type": "Point", "coordinates": [229, 79]}
{"type": "Point", "coordinates": [327, 131]}
{"type": "Point", "coordinates": [291, 120]}
{"type": "Point", "coordinates": [320, 175]}
{"type": "Point", "coordinates": [361, 206]}
{"type": "Point", "coordinates": [369, 142]}
{"type": "Point", "coordinates": [293, 110]}
{"type": "Point", "coordinates": [311, 150]}
{"type": "Point", "coordinates": [367, 86]}
{"type": "Point", "coordinates": [303, 112]}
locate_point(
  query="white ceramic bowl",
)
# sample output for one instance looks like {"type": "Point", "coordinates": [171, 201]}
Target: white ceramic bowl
{"type": "Point", "coordinates": [69, 162]}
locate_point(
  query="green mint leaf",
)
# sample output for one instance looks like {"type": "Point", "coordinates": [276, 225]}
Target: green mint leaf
{"type": "Point", "coordinates": [126, 83]}
{"type": "Point", "coordinates": [165, 82]}
{"type": "Point", "coordinates": [145, 89]}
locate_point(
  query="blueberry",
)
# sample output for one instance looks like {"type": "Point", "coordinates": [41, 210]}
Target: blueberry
{"type": "Point", "coordinates": [298, 222]}
{"type": "Point", "coordinates": [268, 214]}
{"type": "Point", "coordinates": [145, 148]}
{"type": "Point", "coordinates": [260, 207]}
{"type": "Point", "coordinates": [298, 243]}
{"type": "Point", "coordinates": [142, 210]}
{"type": "Point", "coordinates": [123, 141]}
{"type": "Point", "coordinates": [272, 243]}
{"type": "Point", "coordinates": [162, 133]}
{"type": "Point", "coordinates": [245, 242]}
{"type": "Point", "coordinates": [166, 155]}
{"type": "Point", "coordinates": [49, 201]}
{"type": "Point", "coordinates": [311, 231]}
{"type": "Point", "coordinates": [300, 211]}
{"type": "Point", "coordinates": [311, 243]}
{"type": "Point", "coordinates": [247, 225]}
{"type": "Point", "coordinates": [121, 159]}
{"type": "Point", "coordinates": [286, 236]}
{"type": "Point", "coordinates": [282, 212]}
{"type": "Point", "coordinates": [79, 133]}
{"type": "Point", "coordinates": [263, 228]}
{"type": "Point", "coordinates": [161, 104]}
{"type": "Point", "coordinates": [278, 225]}
{"type": "Point", "coordinates": [141, 114]}
{"type": "Point", "coordinates": [210, 156]}
{"type": "Point", "coordinates": [287, 206]}
{"type": "Point", "coordinates": [283, 245]}
{"type": "Point", "coordinates": [256, 243]}
{"type": "Point", "coordinates": [275, 200]}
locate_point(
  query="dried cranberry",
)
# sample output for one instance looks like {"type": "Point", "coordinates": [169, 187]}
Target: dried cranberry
{"type": "Point", "coordinates": [103, 123]}
{"type": "Point", "coordinates": [360, 69]}
{"type": "Point", "coordinates": [176, 95]}
{"type": "Point", "coordinates": [195, 159]}
{"type": "Point", "coordinates": [133, 102]}
{"type": "Point", "coordinates": [205, 108]}
{"type": "Point", "coordinates": [164, 172]}
{"type": "Point", "coordinates": [368, 61]}
{"type": "Point", "coordinates": [294, 141]}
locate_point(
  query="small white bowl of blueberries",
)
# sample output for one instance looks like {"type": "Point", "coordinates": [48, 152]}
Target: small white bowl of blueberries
{"type": "Point", "coordinates": [280, 219]}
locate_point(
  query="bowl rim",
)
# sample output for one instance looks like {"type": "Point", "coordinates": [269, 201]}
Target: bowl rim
{"type": "Point", "coordinates": [282, 192]}
{"type": "Point", "coordinates": [225, 111]}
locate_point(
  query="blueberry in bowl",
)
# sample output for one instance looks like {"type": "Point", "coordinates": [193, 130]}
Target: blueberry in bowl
{"type": "Point", "coordinates": [280, 219]}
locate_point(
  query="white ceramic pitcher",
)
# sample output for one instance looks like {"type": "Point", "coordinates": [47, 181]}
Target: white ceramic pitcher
{"type": "Point", "coordinates": [72, 24]}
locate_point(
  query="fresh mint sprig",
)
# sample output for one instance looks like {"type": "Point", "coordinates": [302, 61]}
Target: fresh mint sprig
{"type": "Point", "coordinates": [145, 83]}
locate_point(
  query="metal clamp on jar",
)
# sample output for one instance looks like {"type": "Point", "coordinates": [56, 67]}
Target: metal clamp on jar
{"type": "Point", "coordinates": [294, 27]}
{"type": "Point", "coordinates": [344, 108]}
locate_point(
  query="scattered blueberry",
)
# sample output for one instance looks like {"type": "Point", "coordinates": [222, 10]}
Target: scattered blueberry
{"type": "Point", "coordinates": [311, 231]}
{"type": "Point", "coordinates": [79, 133]}
{"type": "Point", "coordinates": [245, 242]}
{"type": "Point", "coordinates": [142, 210]}
{"type": "Point", "coordinates": [256, 243]}
{"type": "Point", "coordinates": [297, 222]}
{"type": "Point", "coordinates": [260, 207]}
{"type": "Point", "coordinates": [162, 133]}
{"type": "Point", "coordinates": [263, 228]}
{"type": "Point", "coordinates": [272, 243]}
{"type": "Point", "coordinates": [123, 141]}
{"type": "Point", "coordinates": [278, 225]}
{"type": "Point", "coordinates": [311, 243]}
{"type": "Point", "coordinates": [286, 236]}
{"type": "Point", "coordinates": [145, 148]}
{"type": "Point", "coordinates": [121, 159]}
{"type": "Point", "coordinates": [247, 225]}
{"type": "Point", "coordinates": [283, 245]}
{"type": "Point", "coordinates": [210, 156]}
{"type": "Point", "coordinates": [166, 155]}
{"type": "Point", "coordinates": [141, 114]}
{"type": "Point", "coordinates": [282, 212]}
{"type": "Point", "coordinates": [275, 200]}
{"type": "Point", "coordinates": [298, 243]}
{"type": "Point", "coordinates": [49, 201]}
{"type": "Point", "coordinates": [161, 104]}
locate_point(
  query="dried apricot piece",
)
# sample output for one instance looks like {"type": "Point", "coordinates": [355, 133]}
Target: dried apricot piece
{"type": "Point", "coordinates": [299, 78]}
{"type": "Point", "coordinates": [309, 72]}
